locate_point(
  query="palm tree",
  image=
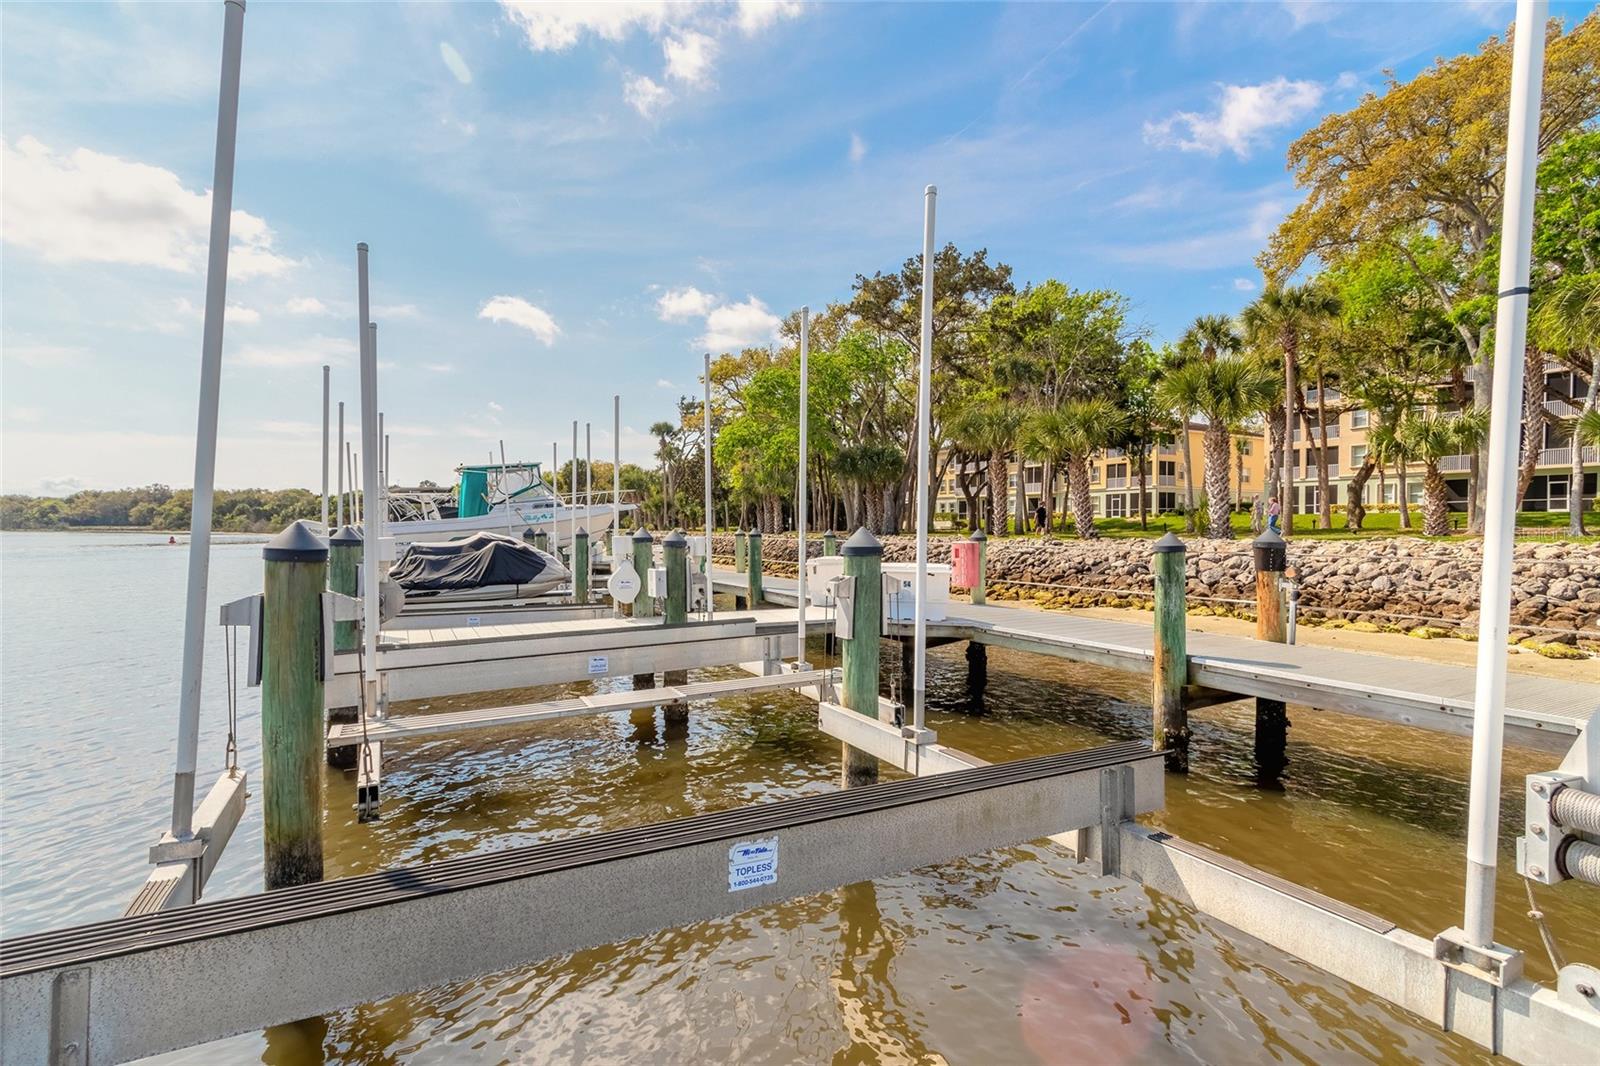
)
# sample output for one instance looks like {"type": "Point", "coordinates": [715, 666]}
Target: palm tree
{"type": "Point", "coordinates": [1227, 391]}
{"type": "Point", "coordinates": [989, 427]}
{"type": "Point", "coordinates": [1429, 438]}
{"type": "Point", "coordinates": [1069, 435]}
{"type": "Point", "coordinates": [1283, 316]}
{"type": "Point", "coordinates": [1567, 320]}
{"type": "Point", "coordinates": [870, 468]}
{"type": "Point", "coordinates": [665, 454]}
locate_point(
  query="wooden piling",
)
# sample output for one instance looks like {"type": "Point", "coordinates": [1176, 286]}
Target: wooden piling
{"type": "Point", "coordinates": [1272, 716]}
{"type": "Point", "coordinates": [675, 555]}
{"type": "Point", "coordinates": [1170, 725]}
{"type": "Point", "coordinates": [863, 561]}
{"type": "Point", "coordinates": [580, 566]}
{"type": "Point", "coordinates": [753, 562]}
{"type": "Point", "coordinates": [344, 563]}
{"type": "Point", "coordinates": [541, 540]}
{"type": "Point", "coordinates": [644, 605]}
{"type": "Point", "coordinates": [978, 590]}
{"type": "Point", "coordinates": [830, 544]}
{"type": "Point", "coordinates": [296, 573]}
{"type": "Point", "coordinates": [738, 551]}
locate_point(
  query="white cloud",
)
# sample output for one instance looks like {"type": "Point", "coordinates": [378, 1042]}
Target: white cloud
{"type": "Point", "coordinates": [1347, 80]}
{"type": "Point", "coordinates": [311, 352]}
{"type": "Point", "coordinates": [84, 206]}
{"type": "Point", "coordinates": [663, 383]}
{"type": "Point", "coordinates": [741, 325]}
{"type": "Point", "coordinates": [496, 408]}
{"type": "Point", "coordinates": [42, 355]}
{"type": "Point", "coordinates": [1243, 115]}
{"type": "Point", "coordinates": [1151, 197]}
{"type": "Point", "coordinates": [858, 148]}
{"type": "Point", "coordinates": [756, 15]}
{"type": "Point", "coordinates": [692, 35]}
{"type": "Point", "coordinates": [457, 65]}
{"type": "Point", "coordinates": [644, 95]}
{"type": "Point", "coordinates": [515, 311]}
{"type": "Point", "coordinates": [554, 26]}
{"type": "Point", "coordinates": [393, 311]}
{"type": "Point", "coordinates": [439, 368]}
{"type": "Point", "coordinates": [307, 305]}
{"type": "Point", "coordinates": [1244, 285]}
{"type": "Point", "coordinates": [66, 486]}
{"type": "Point", "coordinates": [1306, 13]}
{"type": "Point", "coordinates": [187, 311]}
{"type": "Point", "coordinates": [689, 57]}
{"type": "Point", "coordinates": [680, 305]}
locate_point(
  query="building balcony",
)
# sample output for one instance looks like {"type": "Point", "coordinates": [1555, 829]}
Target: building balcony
{"type": "Point", "coordinates": [1310, 472]}
{"type": "Point", "coordinates": [1563, 456]}
{"type": "Point", "coordinates": [1166, 481]}
{"type": "Point", "coordinates": [1333, 432]}
{"type": "Point", "coordinates": [1116, 482]}
{"type": "Point", "coordinates": [1563, 408]}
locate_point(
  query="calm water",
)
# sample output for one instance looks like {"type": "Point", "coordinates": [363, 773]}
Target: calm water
{"type": "Point", "coordinates": [1014, 956]}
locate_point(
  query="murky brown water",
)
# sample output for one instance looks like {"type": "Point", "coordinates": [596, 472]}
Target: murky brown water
{"type": "Point", "coordinates": [1015, 956]}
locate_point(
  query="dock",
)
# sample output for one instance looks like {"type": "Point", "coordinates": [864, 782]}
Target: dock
{"type": "Point", "coordinates": [1541, 713]}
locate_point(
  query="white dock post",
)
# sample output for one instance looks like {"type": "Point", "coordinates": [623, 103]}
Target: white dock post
{"type": "Point", "coordinates": [205, 450]}
{"type": "Point", "coordinates": [325, 530]}
{"type": "Point", "coordinates": [800, 502]}
{"type": "Point", "coordinates": [572, 491]}
{"type": "Point", "coordinates": [372, 527]}
{"type": "Point", "coordinates": [383, 438]}
{"type": "Point", "coordinates": [1494, 611]}
{"type": "Point", "coordinates": [616, 469]}
{"type": "Point", "coordinates": [919, 677]}
{"type": "Point", "coordinates": [710, 586]}
{"type": "Point", "coordinates": [339, 461]}
{"type": "Point", "coordinates": [588, 501]}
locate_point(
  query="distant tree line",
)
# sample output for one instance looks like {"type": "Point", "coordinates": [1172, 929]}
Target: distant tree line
{"type": "Point", "coordinates": [159, 507]}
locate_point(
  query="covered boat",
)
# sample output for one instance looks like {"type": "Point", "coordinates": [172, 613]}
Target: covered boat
{"type": "Point", "coordinates": [483, 566]}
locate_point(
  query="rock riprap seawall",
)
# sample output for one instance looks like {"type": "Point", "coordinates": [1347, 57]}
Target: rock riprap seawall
{"type": "Point", "coordinates": [1406, 581]}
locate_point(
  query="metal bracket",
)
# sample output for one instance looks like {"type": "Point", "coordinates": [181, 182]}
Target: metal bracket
{"type": "Point", "coordinates": [1116, 807]}
{"type": "Point", "coordinates": [1578, 985]}
{"type": "Point", "coordinates": [69, 1018]}
{"type": "Point", "coordinates": [169, 848]}
{"type": "Point", "coordinates": [246, 611]}
{"type": "Point", "coordinates": [1537, 848]}
{"type": "Point", "coordinates": [843, 591]}
{"type": "Point", "coordinates": [1497, 964]}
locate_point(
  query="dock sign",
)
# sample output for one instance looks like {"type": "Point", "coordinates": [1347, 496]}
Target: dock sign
{"type": "Point", "coordinates": [752, 863]}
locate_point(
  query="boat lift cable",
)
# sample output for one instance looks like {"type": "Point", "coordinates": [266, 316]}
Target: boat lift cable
{"type": "Point", "coordinates": [230, 661]}
{"type": "Point", "coordinates": [1557, 960]}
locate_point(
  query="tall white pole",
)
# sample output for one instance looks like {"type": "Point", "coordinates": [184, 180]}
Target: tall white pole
{"type": "Point", "coordinates": [383, 457]}
{"type": "Point", "coordinates": [800, 502]}
{"type": "Point", "coordinates": [572, 490]}
{"type": "Point", "coordinates": [616, 471]}
{"type": "Point", "coordinates": [555, 471]}
{"type": "Point", "coordinates": [710, 584]}
{"type": "Point", "coordinates": [358, 499]}
{"type": "Point", "coordinates": [372, 519]}
{"type": "Point", "coordinates": [350, 468]}
{"type": "Point", "coordinates": [505, 494]}
{"type": "Point", "coordinates": [919, 682]}
{"type": "Point", "coordinates": [1510, 333]}
{"type": "Point", "coordinates": [339, 461]}
{"type": "Point", "coordinates": [325, 528]}
{"type": "Point", "coordinates": [588, 494]}
{"type": "Point", "coordinates": [388, 475]}
{"type": "Point", "coordinates": [205, 438]}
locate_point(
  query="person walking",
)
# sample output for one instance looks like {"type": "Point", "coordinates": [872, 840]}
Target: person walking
{"type": "Point", "coordinates": [1273, 510]}
{"type": "Point", "coordinates": [1041, 518]}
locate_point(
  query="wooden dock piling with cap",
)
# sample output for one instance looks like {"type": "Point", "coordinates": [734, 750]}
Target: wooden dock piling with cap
{"type": "Point", "coordinates": [296, 573]}
{"type": "Point", "coordinates": [754, 594]}
{"type": "Point", "coordinates": [344, 563]}
{"type": "Point", "coordinates": [580, 566]}
{"type": "Point", "coordinates": [1271, 554]}
{"type": "Point", "coordinates": [675, 611]}
{"type": "Point", "coordinates": [863, 564]}
{"type": "Point", "coordinates": [1170, 667]}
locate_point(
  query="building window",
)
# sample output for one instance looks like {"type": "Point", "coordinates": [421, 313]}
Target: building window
{"type": "Point", "coordinates": [1117, 505]}
{"type": "Point", "coordinates": [1358, 419]}
{"type": "Point", "coordinates": [1094, 474]}
{"type": "Point", "coordinates": [1358, 455]}
{"type": "Point", "coordinates": [1245, 444]}
{"type": "Point", "coordinates": [1166, 501]}
{"type": "Point", "coordinates": [1167, 468]}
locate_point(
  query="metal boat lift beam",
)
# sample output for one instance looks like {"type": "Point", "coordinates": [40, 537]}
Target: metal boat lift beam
{"type": "Point", "coordinates": [137, 987]}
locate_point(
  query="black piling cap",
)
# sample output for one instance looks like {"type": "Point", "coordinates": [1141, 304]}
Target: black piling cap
{"type": "Point", "coordinates": [642, 536]}
{"type": "Point", "coordinates": [862, 543]}
{"type": "Point", "coordinates": [979, 534]}
{"type": "Point", "coordinates": [676, 539]}
{"type": "Point", "coordinates": [584, 533]}
{"type": "Point", "coordinates": [1271, 552]}
{"type": "Point", "coordinates": [297, 544]}
{"type": "Point", "coordinates": [346, 536]}
{"type": "Point", "coordinates": [1169, 543]}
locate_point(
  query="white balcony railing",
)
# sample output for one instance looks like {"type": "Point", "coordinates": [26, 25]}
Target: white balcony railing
{"type": "Point", "coordinates": [1455, 464]}
{"type": "Point", "coordinates": [1116, 482]}
{"type": "Point", "coordinates": [1562, 408]}
{"type": "Point", "coordinates": [1166, 481]}
{"type": "Point", "coordinates": [1563, 456]}
{"type": "Point", "coordinates": [1316, 434]}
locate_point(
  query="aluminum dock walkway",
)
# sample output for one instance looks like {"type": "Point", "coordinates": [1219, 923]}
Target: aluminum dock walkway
{"type": "Point", "coordinates": [1540, 712]}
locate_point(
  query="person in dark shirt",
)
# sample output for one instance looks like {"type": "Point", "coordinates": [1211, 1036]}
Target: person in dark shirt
{"type": "Point", "coordinates": [1041, 518]}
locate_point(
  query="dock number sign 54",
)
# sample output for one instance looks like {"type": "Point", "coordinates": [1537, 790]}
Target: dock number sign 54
{"type": "Point", "coordinates": [752, 863]}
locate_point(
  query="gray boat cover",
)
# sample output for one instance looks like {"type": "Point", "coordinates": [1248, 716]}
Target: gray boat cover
{"type": "Point", "coordinates": [474, 562]}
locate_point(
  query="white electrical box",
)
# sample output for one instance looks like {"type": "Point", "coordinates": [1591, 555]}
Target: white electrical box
{"type": "Point", "coordinates": [820, 573]}
{"type": "Point", "coordinates": [842, 592]}
{"type": "Point", "coordinates": [658, 582]}
{"type": "Point", "coordinates": [901, 600]}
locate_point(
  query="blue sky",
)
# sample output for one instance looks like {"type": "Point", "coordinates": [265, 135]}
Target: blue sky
{"type": "Point", "coordinates": [572, 200]}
